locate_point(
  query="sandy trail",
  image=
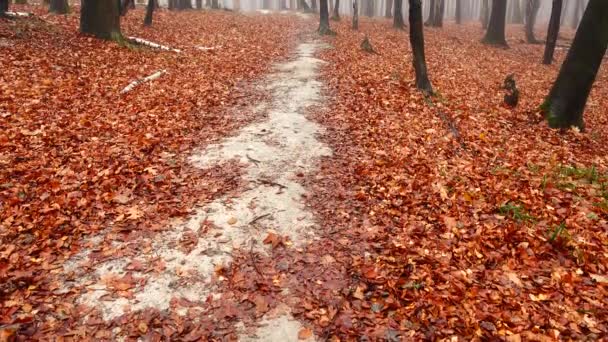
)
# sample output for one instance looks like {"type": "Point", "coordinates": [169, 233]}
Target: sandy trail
{"type": "Point", "coordinates": [276, 152]}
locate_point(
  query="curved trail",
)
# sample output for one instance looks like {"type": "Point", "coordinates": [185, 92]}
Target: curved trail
{"type": "Point", "coordinates": [275, 152]}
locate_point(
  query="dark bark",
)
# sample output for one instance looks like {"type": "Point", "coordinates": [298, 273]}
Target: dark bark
{"type": "Point", "coordinates": [398, 15]}
{"type": "Point", "coordinates": [553, 31]}
{"type": "Point", "coordinates": [199, 4]}
{"type": "Point", "coordinates": [566, 102]}
{"type": "Point", "coordinates": [125, 5]}
{"type": "Point", "coordinates": [417, 43]}
{"type": "Point", "coordinates": [532, 7]}
{"type": "Point", "coordinates": [3, 6]}
{"type": "Point", "coordinates": [149, 13]}
{"type": "Point", "coordinates": [324, 18]}
{"type": "Point", "coordinates": [59, 6]}
{"type": "Point", "coordinates": [429, 20]}
{"type": "Point", "coordinates": [439, 11]}
{"type": "Point", "coordinates": [458, 11]}
{"type": "Point", "coordinates": [389, 9]}
{"type": "Point", "coordinates": [495, 35]}
{"type": "Point", "coordinates": [336, 14]}
{"type": "Point", "coordinates": [215, 4]}
{"type": "Point", "coordinates": [355, 14]}
{"type": "Point", "coordinates": [101, 19]}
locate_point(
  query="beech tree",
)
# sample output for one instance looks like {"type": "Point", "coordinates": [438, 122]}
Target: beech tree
{"type": "Point", "coordinates": [398, 15]}
{"type": "Point", "coordinates": [566, 102]}
{"type": "Point", "coordinates": [101, 19]}
{"type": "Point", "coordinates": [149, 12]}
{"type": "Point", "coordinates": [355, 15]}
{"type": "Point", "coordinates": [417, 43]}
{"type": "Point", "coordinates": [389, 9]}
{"type": "Point", "coordinates": [458, 15]}
{"type": "Point", "coordinates": [324, 18]}
{"type": "Point", "coordinates": [495, 35]}
{"type": "Point", "coordinates": [532, 7]}
{"type": "Point", "coordinates": [485, 14]}
{"type": "Point", "coordinates": [553, 31]}
{"type": "Point", "coordinates": [432, 6]}
{"type": "Point", "coordinates": [59, 6]}
{"type": "Point", "coordinates": [336, 15]}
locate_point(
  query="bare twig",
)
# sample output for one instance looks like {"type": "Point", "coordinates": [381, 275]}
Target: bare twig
{"type": "Point", "coordinates": [259, 218]}
{"type": "Point", "coordinates": [251, 159]}
{"type": "Point", "coordinates": [269, 182]}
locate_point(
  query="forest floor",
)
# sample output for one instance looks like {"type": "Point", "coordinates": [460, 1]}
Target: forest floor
{"type": "Point", "coordinates": [293, 187]}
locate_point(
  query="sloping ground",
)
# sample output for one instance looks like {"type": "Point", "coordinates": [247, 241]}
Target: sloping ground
{"type": "Point", "coordinates": [454, 216]}
{"type": "Point", "coordinates": [78, 158]}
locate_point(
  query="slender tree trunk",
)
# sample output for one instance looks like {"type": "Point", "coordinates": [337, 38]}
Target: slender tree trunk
{"type": "Point", "coordinates": [417, 43]}
{"type": "Point", "coordinates": [398, 15]}
{"type": "Point", "coordinates": [553, 31]}
{"type": "Point", "coordinates": [369, 8]}
{"type": "Point", "coordinates": [485, 14]}
{"type": "Point", "coordinates": [495, 35]}
{"type": "Point", "coordinates": [59, 6]}
{"type": "Point", "coordinates": [532, 8]}
{"type": "Point", "coordinates": [389, 9]}
{"type": "Point", "coordinates": [517, 15]}
{"type": "Point", "coordinates": [429, 20]}
{"type": "Point", "coordinates": [355, 14]}
{"type": "Point", "coordinates": [439, 11]}
{"type": "Point", "coordinates": [324, 18]}
{"type": "Point", "coordinates": [101, 19]}
{"type": "Point", "coordinates": [336, 15]}
{"type": "Point", "coordinates": [149, 13]}
{"type": "Point", "coordinates": [458, 12]}
{"type": "Point", "coordinates": [566, 102]}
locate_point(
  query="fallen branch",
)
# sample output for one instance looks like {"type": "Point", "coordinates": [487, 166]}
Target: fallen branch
{"type": "Point", "coordinates": [141, 41]}
{"type": "Point", "coordinates": [259, 218]}
{"type": "Point", "coordinates": [17, 14]}
{"type": "Point", "coordinates": [135, 83]}
{"type": "Point", "coordinates": [208, 48]}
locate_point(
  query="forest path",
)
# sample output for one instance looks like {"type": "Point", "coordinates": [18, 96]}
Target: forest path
{"type": "Point", "coordinates": [276, 152]}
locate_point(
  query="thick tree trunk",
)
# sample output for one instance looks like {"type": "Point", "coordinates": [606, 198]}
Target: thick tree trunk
{"type": "Point", "coordinates": [458, 12]}
{"type": "Point", "coordinates": [398, 15]}
{"type": "Point", "coordinates": [417, 43]}
{"type": "Point", "coordinates": [336, 15]}
{"type": "Point", "coordinates": [389, 9]}
{"type": "Point", "coordinates": [553, 31]}
{"type": "Point", "coordinates": [149, 13]}
{"type": "Point", "coordinates": [59, 6]}
{"type": "Point", "coordinates": [101, 19]}
{"type": "Point", "coordinates": [566, 102]}
{"type": "Point", "coordinates": [495, 35]}
{"type": "Point", "coordinates": [439, 11]}
{"type": "Point", "coordinates": [3, 6]}
{"type": "Point", "coordinates": [355, 15]}
{"type": "Point", "coordinates": [324, 18]}
{"type": "Point", "coordinates": [532, 8]}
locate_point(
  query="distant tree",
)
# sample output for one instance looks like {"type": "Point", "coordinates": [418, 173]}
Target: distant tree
{"type": "Point", "coordinates": [125, 5]}
{"type": "Point", "coordinates": [369, 8]}
{"type": "Point", "coordinates": [388, 12]}
{"type": "Point", "coordinates": [59, 6]}
{"type": "Point", "coordinates": [532, 8]}
{"type": "Point", "coordinates": [458, 12]}
{"type": "Point", "coordinates": [429, 20]}
{"type": "Point", "coordinates": [266, 4]}
{"type": "Point", "coordinates": [553, 31]}
{"type": "Point", "coordinates": [439, 12]}
{"type": "Point", "coordinates": [566, 102]}
{"type": "Point", "coordinates": [518, 18]}
{"type": "Point", "coordinates": [101, 19]}
{"type": "Point", "coordinates": [355, 15]}
{"type": "Point", "coordinates": [579, 5]}
{"type": "Point", "coordinates": [495, 35]}
{"type": "Point", "coordinates": [3, 6]}
{"type": "Point", "coordinates": [214, 4]}
{"type": "Point", "coordinates": [336, 15]}
{"type": "Point", "coordinates": [303, 5]}
{"type": "Point", "coordinates": [484, 16]}
{"type": "Point", "coordinates": [314, 6]}
{"type": "Point", "coordinates": [199, 4]}
{"type": "Point", "coordinates": [149, 12]}
{"type": "Point", "coordinates": [417, 43]}
{"type": "Point", "coordinates": [324, 28]}
{"type": "Point", "coordinates": [398, 15]}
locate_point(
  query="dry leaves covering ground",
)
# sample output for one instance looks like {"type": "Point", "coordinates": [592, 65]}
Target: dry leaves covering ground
{"type": "Point", "coordinates": [455, 216]}
{"type": "Point", "coordinates": [77, 157]}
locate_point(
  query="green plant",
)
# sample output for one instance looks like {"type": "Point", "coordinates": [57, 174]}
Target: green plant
{"type": "Point", "coordinates": [558, 232]}
{"type": "Point", "coordinates": [516, 212]}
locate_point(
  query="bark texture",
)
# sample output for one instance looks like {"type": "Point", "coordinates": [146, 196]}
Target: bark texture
{"type": "Point", "coordinates": [355, 15]}
{"type": "Point", "coordinates": [324, 18]}
{"type": "Point", "coordinates": [532, 7]}
{"type": "Point", "coordinates": [553, 31]}
{"type": "Point", "coordinates": [336, 14]}
{"type": "Point", "coordinates": [566, 102]}
{"type": "Point", "coordinates": [495, 35]}
{"type": "Point", "coordinates": [398, 15]}
{"type": "Point", "coordinates": [101, 18]}
{"type": "Point", "coordinates": [417, 43]}
{"type": "Point", "coordinates": [149, 13]}
{"type": "Point", "coordinates": [59, 6]}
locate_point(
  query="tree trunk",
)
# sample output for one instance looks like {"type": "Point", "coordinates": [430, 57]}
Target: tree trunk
{"type": "Point", "coordinates": [495, 34]}
{"type": "Point", "coordinates": [236, 5]}
{"type": "Point", "coordinates": [336, 15]}
{"type": "Point", "coordinates": [369, 8]}
{"type": "Point", "coordinates": [215, 4]}
{"type": "Point", "coordinates": [398, 15]}
{"type": "Point", "coordinates": [199, 4]}
{"type": "Point", "coordinates": [101, 19]}
{"type": "Point", "coordinates": [517, 15]}
{"type": "Point", "coordinates": [314, 5]}
{"type": "Point", "coordinates": [125, 5]}
{"type": "Point", "coordinates": [532, 8]}
{"type": "Point", "coordinates": [355, 15]}
{"type": "Point", "coordinates": [149, 12]}
{"type": "Point", "coordinates": [429, 20]}
{"type": "Point", "coordinates": [553, 31]}
{"type": "Point", "coordinates": [458, 12]}
{"type": "Point", "coordinates": [439, 11]}
{"type": "Point", "coordinates": [417, 43]}
{"type": "Point", "coordinates": [3, 6]}
{"type": "Point", "coordinates": [485, 14]}
{"type": "Point", "coordinates": [324, 18]}
{"type": "Point", "coordinates": [59, 6]}
{"type": "Point", "coordinates": [389, 9]}
{"type": "Point", "coordinates": [566, 102]}
{"type": "Point", "coordinates": [266, 4]}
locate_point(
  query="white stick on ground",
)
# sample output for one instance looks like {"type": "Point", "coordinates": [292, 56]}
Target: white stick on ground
{"type": "Point", "coordinates": [17, 14]}
{"type": "Point", "coordinates": [135, 83]}
{"type": "Point", "coordinates": [208, 48]}
{"type": "Point", "coordinates": [151, 44]}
